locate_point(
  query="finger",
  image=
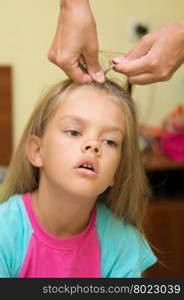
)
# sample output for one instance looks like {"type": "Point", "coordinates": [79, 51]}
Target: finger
{"type": "Point", "coordinates": [82, 61]}
{"type": "Point", "coordinates": [73, 67]}
{"type": "Point", "coordinates": [91, 61]}
{"type": "Point", "coordinates": [99, 76]}
{"type": "Point", "coordinates": [146, 78]}
{"type": "Point", "coordinates": [141, 49]}
{"type": "Point", "coordinates": [133, 67]}
{"type": "Point", "coordinates": [78, 75]}
{"type": "Point", "coordinates": [93, 67]}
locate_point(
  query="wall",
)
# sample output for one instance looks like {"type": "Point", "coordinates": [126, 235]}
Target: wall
{"type": "Point", "coordinates": [26, 32]}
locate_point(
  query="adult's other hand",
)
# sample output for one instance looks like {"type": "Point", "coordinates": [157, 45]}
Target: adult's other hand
{"type": "Point", "coordinates": [156, 57]}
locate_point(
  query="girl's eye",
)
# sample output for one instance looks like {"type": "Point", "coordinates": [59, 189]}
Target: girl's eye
{"type": "Point", "coordinates": [72, 132]}
{"type": "Point", "coordinates": [110, 143]}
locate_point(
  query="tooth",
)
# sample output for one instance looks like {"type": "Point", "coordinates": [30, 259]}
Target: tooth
{"type": "Point", "coordinates": [87, 166]}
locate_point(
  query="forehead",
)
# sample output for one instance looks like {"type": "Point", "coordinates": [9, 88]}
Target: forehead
{"type": "Point", "coordinates": [94, 105]}
{"type": "Point", "coordinates": [86, 100]}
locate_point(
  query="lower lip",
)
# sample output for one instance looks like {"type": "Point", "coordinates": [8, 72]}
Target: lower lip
{"type": "Point", "coordinates": [86, 172]}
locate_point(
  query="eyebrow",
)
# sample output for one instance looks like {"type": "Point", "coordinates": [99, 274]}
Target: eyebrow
{"type": "Point", "coordinates": [84, 121]}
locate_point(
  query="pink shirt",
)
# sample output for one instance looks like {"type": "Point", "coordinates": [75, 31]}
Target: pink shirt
{"type": "Point", "coordinates": [51, 256]}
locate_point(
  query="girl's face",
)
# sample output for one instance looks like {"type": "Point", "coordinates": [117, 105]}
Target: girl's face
{"type": "Point", "coordinates": [81, 147]}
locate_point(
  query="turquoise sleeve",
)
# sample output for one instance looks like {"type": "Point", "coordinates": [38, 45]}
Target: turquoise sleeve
{"type": "Point", "coordinates": [15, 233]}
{"type": "Point", "coordinates": [124, 251]}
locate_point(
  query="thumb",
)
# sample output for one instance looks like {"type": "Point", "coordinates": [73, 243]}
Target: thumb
{"type": "Point", "coordinates": [94, 68]}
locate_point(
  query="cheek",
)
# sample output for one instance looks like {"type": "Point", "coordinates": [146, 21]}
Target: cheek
{"type": "Point", "coordinates": [51, 150]}
{"type": "Point", "coordinates": [112, 161]}
{"type": "Point", "coordinates": [56, 151]}
{"type": "Point", "coordinates": [115, 163]}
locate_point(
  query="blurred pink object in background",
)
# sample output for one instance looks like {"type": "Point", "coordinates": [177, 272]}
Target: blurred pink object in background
{"type": "Point", "coordinates": [172, 144]}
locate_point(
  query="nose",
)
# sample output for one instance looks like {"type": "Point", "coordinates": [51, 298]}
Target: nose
{"type": "Point", "coordinates": [92, 146]}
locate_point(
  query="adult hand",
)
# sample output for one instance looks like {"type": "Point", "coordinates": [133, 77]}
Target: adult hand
{"type": "Point", "coordinates": [75, 43]}
{"type": "Point", "coordinates": [156, 57]}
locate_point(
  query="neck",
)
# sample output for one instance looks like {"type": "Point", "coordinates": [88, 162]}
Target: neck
{"type": "Point", "coordinates": [61, 214]}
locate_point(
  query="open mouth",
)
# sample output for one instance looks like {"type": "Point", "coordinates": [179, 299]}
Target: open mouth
{"type": "Point", "coordinates": [87, 166]}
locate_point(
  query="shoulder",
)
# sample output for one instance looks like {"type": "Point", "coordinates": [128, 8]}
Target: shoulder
{"type": "Point", "coordinates": [10, 212]}
{"type": "Point", "coordinates": [107, 222]}
{"type": "Point", "coordinates": [12, 205]}
{"type": "Point", "coordinates": [125, 252]}
{"type": "Point", "coordinates": [15, 230]}
{"type": "Point", "coordinates": [13, 214]}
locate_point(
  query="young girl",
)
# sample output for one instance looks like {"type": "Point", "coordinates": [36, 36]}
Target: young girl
{"type": "Point", "coordinates": [74, 197]}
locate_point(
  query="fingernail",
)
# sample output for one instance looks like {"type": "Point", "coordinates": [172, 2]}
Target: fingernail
{"type": "Point", "coordinates": [118, 59]}
{"type": "Point", "coordinates": [99, 77]}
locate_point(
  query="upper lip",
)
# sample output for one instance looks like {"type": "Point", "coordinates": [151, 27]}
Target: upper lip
{"type": "Point", "coordinates": [88, 161]}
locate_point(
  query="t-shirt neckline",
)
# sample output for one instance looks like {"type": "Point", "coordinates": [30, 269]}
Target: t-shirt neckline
{"type": "Point", "coordinates": [52, 240]}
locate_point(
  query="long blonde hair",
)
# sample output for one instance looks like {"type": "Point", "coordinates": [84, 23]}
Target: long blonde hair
{"type": "Point", "coordinates": [130, 192]}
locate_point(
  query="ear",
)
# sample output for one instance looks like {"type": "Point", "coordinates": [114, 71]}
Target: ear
{"type": "Point", "coordinates": [33, 147]}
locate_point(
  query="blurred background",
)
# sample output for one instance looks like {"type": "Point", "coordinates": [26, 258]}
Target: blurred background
{"type": "Point", "coordinates": [26, 32]}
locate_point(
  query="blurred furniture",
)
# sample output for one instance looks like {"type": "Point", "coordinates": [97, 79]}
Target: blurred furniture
{"type": "Point", "coordinates": [165, 222]}
{"type": "Point", "coordinates": [160, 162]}
{"type": "Point", "coordinates": [166, 234]}
{"type": "Point", "coordinates": [5, 115]}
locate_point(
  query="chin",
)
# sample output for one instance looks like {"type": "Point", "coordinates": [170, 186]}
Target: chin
{"type": "Point", "coordinates": [88, 194]}
{"type": "Point", "coordinates": [85, 189]}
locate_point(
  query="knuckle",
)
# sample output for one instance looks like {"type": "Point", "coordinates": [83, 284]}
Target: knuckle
{"type": "Point", "coordinates": [62, 59]}
{"type": "Point", "coordinates": [155, 64]}
{"type": "Point", "coordinates": [165, 75]}
{"type": "Point", "coordinates": [161, 72]}
{"type": "Point", "coordinates": [146, 38]}
{"type": "Point", "coordinates": [51, 57]}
